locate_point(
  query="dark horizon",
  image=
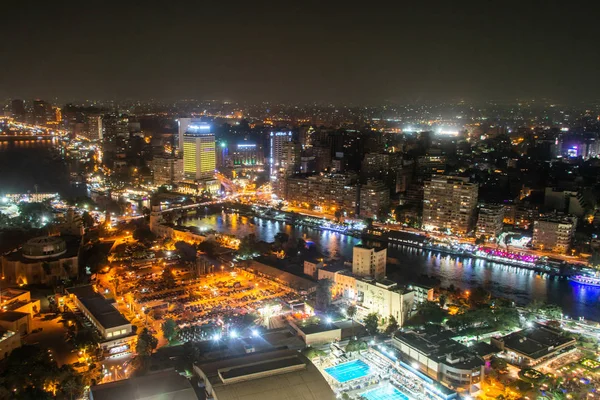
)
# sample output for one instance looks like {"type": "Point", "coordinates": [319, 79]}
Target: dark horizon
{"type": "Point", "coordinates": [434, 52]}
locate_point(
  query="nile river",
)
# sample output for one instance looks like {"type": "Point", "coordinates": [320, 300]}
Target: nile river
{"type": "Point", "coordinates": [519, 285]}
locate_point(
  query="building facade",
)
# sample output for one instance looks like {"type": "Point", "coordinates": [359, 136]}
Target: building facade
{"type": "Point", "coordinates": [166, 170]}
{"type": "Point", "coordinates": [440, 357]}
{"type": "Point", "coordinates": [449, 204]}
{"type": "Point", "coordinates": [369, 261]}
{"type": "Point", "coordinates": [199, 154]}
{"type": "Point", "coordinates": [41, 260]}
{"type": "Point", "coordinates": [374, 200]}
{"type": "Point", "coordinates": [554, 234]}
{"type": "Point", "coordinates": [490, 221]}
{"type": "Point", "coordinates": [383, 297]}
{"type": "Point", "coordinates": [344, 283]}
{"type": "Point", "coordinates": [327, 193]}
{"type": "Point", "coordinates": [9, 341]}
{"type": "Point", "coordinates": [276, 145]}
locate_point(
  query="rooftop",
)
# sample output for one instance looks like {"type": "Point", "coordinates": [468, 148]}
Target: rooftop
{"type": "Point", "coordinates": [367, 247]}
{"type": "Point", "coordinates": [536, 342]}
{"type": "Point", "coordinates": [294, 281]}
{"type": "Point", "coordinates": [439, 346]}
{"type": "Point", "coordinates": [165, 385]}
{"type": "Point", "coordinates": [317, 328]}
{"type": "Point", "coordinates": [104, 312]}
{"type": "Point", "coordinates": [12, 316]}
{"type": "Point", "coordinates": [266, 375]}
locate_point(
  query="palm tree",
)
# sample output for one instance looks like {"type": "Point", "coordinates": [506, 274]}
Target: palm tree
{"type": "Point", "coordinates": [351, 312]}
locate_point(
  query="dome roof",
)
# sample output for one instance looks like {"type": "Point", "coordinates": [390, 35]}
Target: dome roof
{"type": "Point", "coordinates": [44, 247]}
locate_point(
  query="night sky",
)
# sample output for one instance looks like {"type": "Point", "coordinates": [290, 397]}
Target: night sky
{"type": "Point", "coordinates": [359, 52]}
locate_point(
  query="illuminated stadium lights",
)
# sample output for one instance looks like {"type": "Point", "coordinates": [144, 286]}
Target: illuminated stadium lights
{"type": "Point", "coordinates": [216, 337]}
{"type": "Point", "coordinates": [233, 334]}
{"type": "Point", "coordinates": [254, 332]}
{"type": "Point", "coordinates": [447, 132]}
{"type": "Point", "coordinates": [328, 320]}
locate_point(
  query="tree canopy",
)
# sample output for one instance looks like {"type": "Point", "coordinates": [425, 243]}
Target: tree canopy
{"type": "Point", "coordinates": [371, 323]}
{"type": "Point", "coordinates": [170, 329]}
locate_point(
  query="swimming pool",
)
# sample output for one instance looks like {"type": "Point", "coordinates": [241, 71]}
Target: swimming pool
{"type": "Point", "coordinates": [385, 393]}
{"type": "Point", "coordinates": [348, 371]}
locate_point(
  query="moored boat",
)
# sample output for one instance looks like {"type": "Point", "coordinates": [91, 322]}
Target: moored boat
{"type": "Point", "coordinates": [586, 280]}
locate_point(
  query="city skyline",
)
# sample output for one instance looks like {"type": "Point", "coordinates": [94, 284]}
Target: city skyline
{"type": "Point", "coordinates": [302, 53]}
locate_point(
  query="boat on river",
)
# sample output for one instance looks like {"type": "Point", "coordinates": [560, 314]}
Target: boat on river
{"type": "Point", "coordinates": [586, 280]}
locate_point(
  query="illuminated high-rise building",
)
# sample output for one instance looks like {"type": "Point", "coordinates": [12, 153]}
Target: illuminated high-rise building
{"type": "Point", "coordinates": [18, 109]}
{"type": "Point", "coordinates": [93, 127]}
{"type": "Point", "coordinates": [42, 112]}
{"type": "Point", "coordinates": [449, 204]}
{"type": "Point", "coordinates": [183, 124]}
{"type": "Point", "coordinates": [199, 154]}
{"type": "Point", "coordinates": [166, 169]}
{"type": "Point", "coordinates": [276, 141]}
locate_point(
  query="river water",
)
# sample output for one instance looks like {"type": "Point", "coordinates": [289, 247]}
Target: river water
{"type": "Point", "coordinates": [521, 286]}
{"type": "Point", "coordinates": [25, 163]}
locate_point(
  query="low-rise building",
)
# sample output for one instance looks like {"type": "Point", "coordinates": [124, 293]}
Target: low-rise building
{"type": "Point", "coordinates": [159, 385]}
{"type": "Point", "coordinates": [315, 334]}
{"type": "Point", "coordinates": [423, 293]}
{"type": "Point", "coordinates": [533, 346]}
{"type": "Point", "coordinates": [344, 283]}
{"type": "Point", "coordinates": [296, 283]}
{"type": "Point", "coordinates": [16, 321]}
{"type": "Point", "coordinates": [9, 341]}
{"type": "Point", "coordinates": [383, 297]}
{"type": "Point", "coordinates": [312, 266]}
{"type": "Point", "coordinates": [46, 259]}
{"type": "Point", "coordinates": [554, 234]}
{"type": "Point", "coordinates": [266, 375]}
{"type": "Point", "coordinates": [112, 326]}
{"type": "Point", "coordinates": [436, 354]}
{"type": "Point", "coordinates": [19, 300]}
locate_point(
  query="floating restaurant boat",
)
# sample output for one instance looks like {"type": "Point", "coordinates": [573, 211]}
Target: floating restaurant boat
{"type": "Point", "coordinates": [586, 280]}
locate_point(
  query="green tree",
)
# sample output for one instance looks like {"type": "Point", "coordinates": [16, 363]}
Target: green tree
{"type": "Point", "coordinates": [351, 312]}
{"type": "Point", "coordinates": [338, 215]}
{"type": "Point", "coordinates": [371, 323]}
{"type": "Point", "coordinates": [311, 352]}
{"type": "Point", "coordinates": [146, 343]}
{"type": "Point", "coordinates": [186, 251]}
{"type": "Point", "coordinates": [479, 296]}
{"type": "Point", "coordinates": [208, 247]}
{"type": "Point", "coordinates": [248, 245]}
{"type": "Point", "coordinates": [442, 300]}
{"type": "Point", "coordinates": [392, 325]}
{"type": "Point", "coordinates": [170, 329]}
{"type": "Point", "coordinates": [144, 234]}
{"type": "Point", "coordinates": [87, 219]}
{"type": "Point", "coordinates": [282, 238]}
{"type": "Point", "coordinates": [168, 279]}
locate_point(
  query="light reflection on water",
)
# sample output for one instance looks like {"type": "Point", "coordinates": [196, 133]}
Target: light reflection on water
{"type": "Point", "coordinates": [519, 285]}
